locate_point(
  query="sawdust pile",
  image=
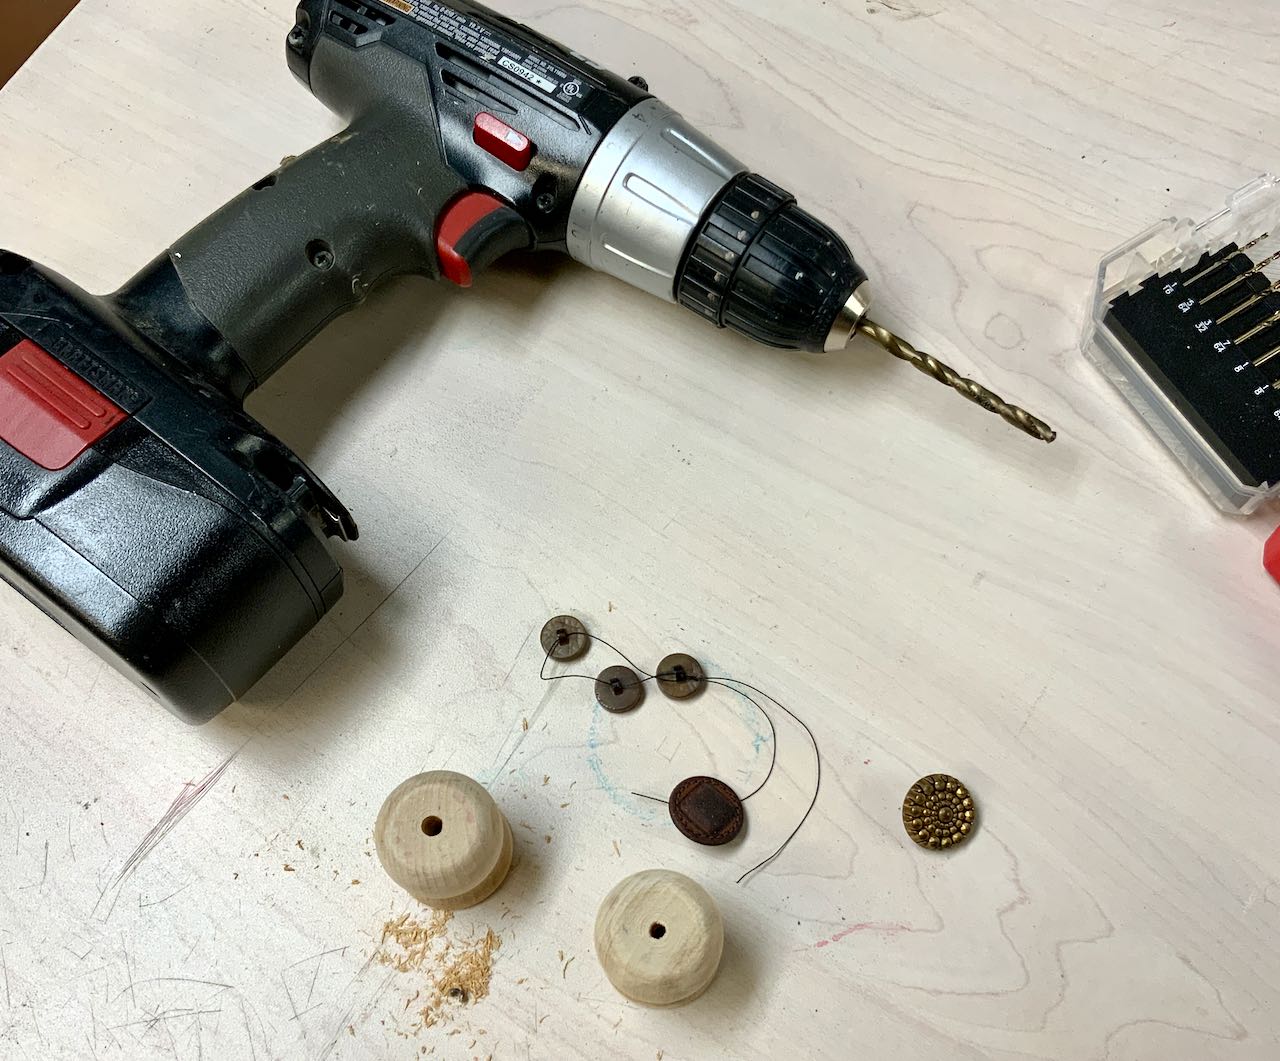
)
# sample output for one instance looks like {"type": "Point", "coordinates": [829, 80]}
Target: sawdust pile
{"type": "Point", "coordinates": [414, 938]}
{"type": "Point", "coordinates": [458, 971]}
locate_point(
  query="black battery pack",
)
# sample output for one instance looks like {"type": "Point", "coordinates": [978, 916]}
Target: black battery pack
{"type": "Point", "coordinates": [140, 507]}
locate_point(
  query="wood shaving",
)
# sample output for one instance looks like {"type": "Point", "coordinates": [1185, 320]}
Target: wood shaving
{"type": "Point", "coordinates": [458, 971]}
{"type": "Point", "coordinates": [414, 938]}
{"type": "Point", "coordinates": [471, 967]}
{"type": "Point", "coordinates": [524, 724]}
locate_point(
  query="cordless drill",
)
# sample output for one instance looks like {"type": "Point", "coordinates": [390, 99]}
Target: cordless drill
{"type": "Point", "coordinates": [141, 507]}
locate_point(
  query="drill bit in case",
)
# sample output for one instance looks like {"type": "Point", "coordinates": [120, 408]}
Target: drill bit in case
{"type": "Point", "coordinates": [1185, 321]}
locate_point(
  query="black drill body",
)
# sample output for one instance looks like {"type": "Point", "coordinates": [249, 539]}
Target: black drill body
{"type": "Point", "coordinates": [181, 540]}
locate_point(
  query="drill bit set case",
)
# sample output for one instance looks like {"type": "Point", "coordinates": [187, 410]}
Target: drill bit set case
{"type": "Point", "coordinates": [1185, 321]}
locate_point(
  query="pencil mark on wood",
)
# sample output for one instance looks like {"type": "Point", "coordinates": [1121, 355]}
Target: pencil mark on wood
{"type": "Point", "coordinates": [171, 980]}
{"type": "Point", "coordinates": [888, 928]}
{"type": "Point", "coordinates": [182, 805]}
{"type": "Point", "coordinates": [346, 1020]}
{"type": "Point", "coordinates": [163, 1016]}
{"type": "Point", "coordinates": [128, 972]}
{"type": "Point", "coordinates": [157, 902]}
{"type": "Point", "coordinates": [1035, 704]}
{"type": "Point", "coordinates": [44, 870]}
{"type": "Point", "coordinates": [248, 1031]}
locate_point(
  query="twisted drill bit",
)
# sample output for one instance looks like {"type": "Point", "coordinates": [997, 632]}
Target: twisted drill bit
{"type": "Point", "coordinates": [1223, 261]}
{"type": "Point", "coordinates": [1248, 302]}
{"type": "Point", "coordinates": [1273, 319]}
{"type": "Point", "coordinates": [1242, 277]}
{"type": "Point", "coordinates": [975, 392]}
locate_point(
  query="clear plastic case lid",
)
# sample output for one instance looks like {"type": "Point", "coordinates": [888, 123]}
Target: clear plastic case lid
{"type": "Point", "coordinates": [1159, 329]}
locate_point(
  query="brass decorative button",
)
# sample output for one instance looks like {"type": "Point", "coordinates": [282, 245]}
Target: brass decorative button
{"type": "Point", "coordinates": [680, 676]}
{"type": "Point", "coordinates": [564, 638]}
{"type": "Point", "coordinates": [706, 810]}
{"type": "Point", "coordinates": [939, 812]}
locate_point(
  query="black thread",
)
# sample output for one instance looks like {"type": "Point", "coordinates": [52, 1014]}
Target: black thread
{"type": "Point", "coordinates": [773, 731]}
{"type": "Point", "coordinates": [727, 683]}
{"type": "Point", "coordinates": [542, 673]}
{"type": "Point", "coordinates": [817, 785]}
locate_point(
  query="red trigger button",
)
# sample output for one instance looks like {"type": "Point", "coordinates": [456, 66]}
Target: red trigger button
{"type": "Point", "coordinates": [460, 225]}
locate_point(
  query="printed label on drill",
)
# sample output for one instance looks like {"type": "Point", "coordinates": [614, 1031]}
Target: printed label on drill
{"type": "Point", "coordinates": [493, 47]}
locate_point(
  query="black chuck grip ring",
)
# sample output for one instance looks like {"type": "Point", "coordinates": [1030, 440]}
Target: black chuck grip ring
{"type": "Point", "coordinates": [762, 266]}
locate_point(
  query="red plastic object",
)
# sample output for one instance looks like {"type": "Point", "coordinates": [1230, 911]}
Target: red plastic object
{"type": "Point", "coordinates": [458, 219]}
{"type": "Point", "coordinates": [1271, 556]}
{"type": "Point", "coordinates": [48, 413]}
{"type": "Point", "coordinates": [503, 142]}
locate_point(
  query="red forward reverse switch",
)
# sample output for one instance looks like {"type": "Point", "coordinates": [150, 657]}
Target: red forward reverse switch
{"type": "Point", "coordinates": [502, 142]}
{"type": "Point", "coordinates": [48, 413]}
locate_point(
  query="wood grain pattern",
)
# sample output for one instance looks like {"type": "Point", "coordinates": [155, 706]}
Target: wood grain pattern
{"type": "Point", "coordinates": [659, 938]}
{"type": "Point", "coordinates": [441, 837]}
{"type": "Point", "coordinates": [1073, 630]}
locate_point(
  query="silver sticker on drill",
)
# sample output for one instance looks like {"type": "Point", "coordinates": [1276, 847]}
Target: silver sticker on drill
{"type": "Point", "coordinates": [532, 76]}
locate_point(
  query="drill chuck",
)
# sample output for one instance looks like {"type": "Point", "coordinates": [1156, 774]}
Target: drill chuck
{"type": "Point", "coordinates": [762, 266]}
{"type": "Point", "coordinates": [666, 209]}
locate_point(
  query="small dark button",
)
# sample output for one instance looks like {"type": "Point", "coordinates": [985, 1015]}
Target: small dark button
{"type": "Point", "coordinates": [707, 811]}
{"type": "Point", "coordinates": [619, 689]}
{"type": "Point", "coordinates": [564, 638]}
{"type": "Point", "coordinates": [680, 676]}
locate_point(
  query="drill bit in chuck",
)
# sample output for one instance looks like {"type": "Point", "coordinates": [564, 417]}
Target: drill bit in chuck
{"type": "Point", "coordinates": [975, 392]}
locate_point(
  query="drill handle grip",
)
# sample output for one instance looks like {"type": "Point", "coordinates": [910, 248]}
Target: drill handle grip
{"type": "Point", "coordinates": [307, 242]}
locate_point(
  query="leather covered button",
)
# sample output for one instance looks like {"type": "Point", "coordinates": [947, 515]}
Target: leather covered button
{"type": "Point", "coordinates": [707, 811]}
